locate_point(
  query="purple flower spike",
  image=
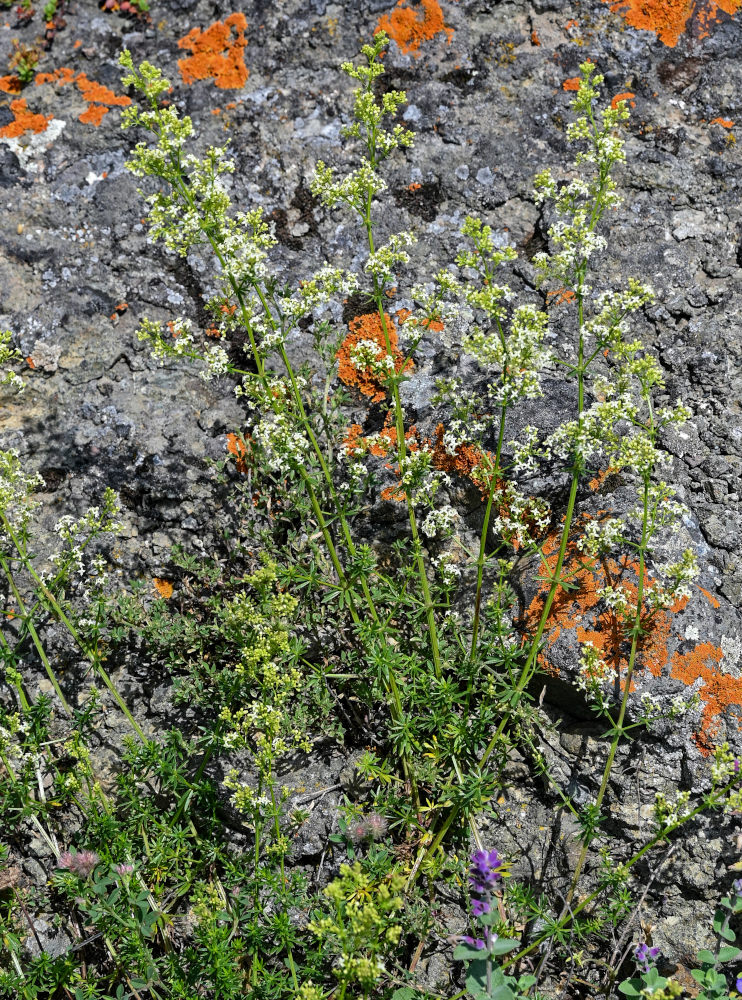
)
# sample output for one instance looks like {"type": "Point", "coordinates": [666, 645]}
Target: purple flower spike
{"type": "Point", "coordinates": [477, 943]}
{"type": "Point", "coordinates": [735, 765]}
{"type": "Point", "coordinates": [484, 871]}
{"type": "Point", "coordinates": [479, 907]}
{"type": "Point", "coordinates": [645, 956]}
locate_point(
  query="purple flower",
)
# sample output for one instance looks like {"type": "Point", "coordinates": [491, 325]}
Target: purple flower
{"type": "Point", "coordinates": [735, 765]}
{"type": "Point", "coordinates": [737, 886]}
{"type": "Point", "coordinates": [484, 871]}
{"type": "Point", "coordinates": [477, 943]}
{"type": "Point", "coordinates": [479, 907]}
{"type": "Point", "coordinates": [124, 869]}
{"type": "Point", "coordinates": [738, 984]}
{"type": "Point", "coordinates": [81, 864]}
{"type": "Point", "coordinates": [644, 956]}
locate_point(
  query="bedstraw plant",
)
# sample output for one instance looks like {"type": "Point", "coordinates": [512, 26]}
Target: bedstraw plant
{"type": "Point", "coordinates": [180, 880]}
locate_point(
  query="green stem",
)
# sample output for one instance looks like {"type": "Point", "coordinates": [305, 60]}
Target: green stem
{"type": "Point", "coordinates": [483, 537]}
{"type": "Point", "coordinates": [618, 732]}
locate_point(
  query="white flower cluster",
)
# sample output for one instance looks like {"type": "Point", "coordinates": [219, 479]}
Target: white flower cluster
{"type": "Point", "coordinates": [419, 480]}
{"type": "Point", "coordinates": [440, 523]}
{"type": "Point", "coordinates": [593, 675]}
{"type": "Point", "coordinates": [520, 519]}
{"type": "Point", "coordinates": [15, 492]}
{"type": "Point", "coordinates": [354, 189]}
{"type": "Point", "coordinates": [519, 355]}
{"type": "Point", "coordinates": [368, 356]}
{"type": "Point", "coordinates": [9, 355]}
{"type": "Point", "coordinates": [676, 583]}
{"type": "Point", "coordinates": [217, 362]}
{"type": "Point", "coordinates": [179, 344]}
{"type": "Point", "coordinates": [668, 812]}
{"type": "Point", "coordinates": [600, 536]}
{"type": "Point", "coordinates": [284, 447]}
{"type": "Point", "coordinates": [448, 568]}
{"type": "Point", "coordinates": [382, 263]}
{"type": "Point", "coordinates": [312, 293]}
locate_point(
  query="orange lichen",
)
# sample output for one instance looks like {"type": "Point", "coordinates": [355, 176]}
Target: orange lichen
{"type": "Point", "coordinates": [668, 19]}
{"type": "Point", "coordinates": [560, 295]}
{"type": "Point", "coordinates": [62, 75]}
{"type": "Point", "coordinates": [163, 587]}
{"type": "Point", "coordinates": [369, 327]}
{"type": "Point", "coordinates": [23, 121]}
{"type": "Point", "coordinates": [409, 27]}
{"type": "Point", "coordinates": [572, 23]}
{"type": "Point", "coordinates": [625, 96]}
{"type": "Point", "coordinates": [462, 463]}
{"type": "Point", "coordinates": [100, 99]}
{"type": "Point", "coordinates": [97, 93]}
{"type": "Point", "coordinates": [582, 603]}
{"type": "Point", "coordinates": [598, 479]}
{"type": "Point", "coordinates": [237, 447]}
{"type": "Point", "coordinates": [535, 40]}
{"type": "Point", "coordinates": [573, 83]}
{"type": "Point", "coordinates": [435, 324]}
{"type": "Point", "coordinates": [218, 53]}
{"type": "Point", "coordinates": [724, 122]}
{"type": "Point", "coordinates": [94, 114]}
{"type": "Point", "coordinates": [10, 84]}
{"type": "Point", "coordinates": [710, 598]}
{"type": "Point", "coordinates": [718, 692]}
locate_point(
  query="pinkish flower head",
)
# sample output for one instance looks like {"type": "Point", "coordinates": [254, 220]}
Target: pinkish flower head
{"type": "Point", "coordinates": [124, 869]}
{"type": "Point", "coordinates": [357, 831]}
{"type": "Point", "coordinates": [81, 864]}
{"type": "Point", "coordinates": [376, 826]}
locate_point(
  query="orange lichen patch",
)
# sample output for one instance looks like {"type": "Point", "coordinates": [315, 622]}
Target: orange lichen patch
{"type": "Point", "coordinates": [369, 327]}
{"type": "Point", "coordinates": [572, 23]}
{"type": "Point", "coordinates": [415, 186]}
{"type": "Point", "coordinates": [23, 121]}
{"type": "Point", "coordinates": [598, 479]}
{"type": "Point", "coordinates": [560, 295]}
{"type": "Point", "coordinates": [710, 14]}
{"type": "Point", "coordinates": [535, 40]}
{"type": "Point", "coordinates": [163, 587]}
{"type": "Point", "coordinates": [710, 598]}
{"type": "Point", "coordinates": [435, 324]}
{"type": "Point", "coordinates": [409, 27]}
{"type": "Point", "coordinates": [237, 447]}
{"type": "Point", "coordinates": [625, 96]}
{"type": "Point", "coordinates": [582, 603]}
{"type": "Point", "coordinates": [668, 19]}
{"type": "Point", "coordinates": [218, 53]}
{"type": "Point", "coordinates": [94, 114]}
{"type": "Point", "coordinates": [100, 99]}
{"type": "Point", "coordinates": [30, 362]}
{"type": "Point", "coordinates": [62, 75]}
{"type": "Point", "coordinates": [462, 463]}
{"type": "Point", "coordinates": [724, 122]}
{"type": "Point", "coordinates": [718, 693]}
{"type": "Point", "coordinates": [10, 84]}
{"type": "Point", "coordinates": [573, 83]}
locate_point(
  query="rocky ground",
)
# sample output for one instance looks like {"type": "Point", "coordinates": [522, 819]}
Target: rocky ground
{"type": "Point", "coordinates": [489, 85]}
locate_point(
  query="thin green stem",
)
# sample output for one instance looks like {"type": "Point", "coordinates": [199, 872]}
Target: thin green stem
{"type": "Point", "coordinates": [483, 537]}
